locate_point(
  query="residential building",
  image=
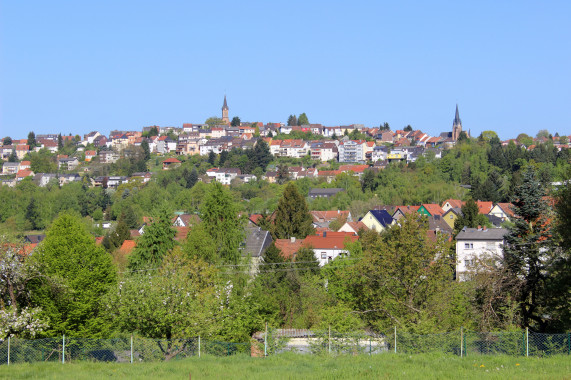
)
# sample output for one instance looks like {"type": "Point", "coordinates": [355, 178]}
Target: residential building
{"type": "Point", "coordinates": [323, 193]}
{"type": "Point", "coordinates": [223, 175]}
{"type": "Point", "coordinates": [324, 151]}
{"type": "Point", "coordinates": [351, 151]}
{"type": "Point", "coordinates": [377, 220]}
{"type": "Point", "coordinates": [475, 244]}
{"type": "Point", "coordinates": [504, 211]}
{"type": "Point", "coordinates": [330, 245]}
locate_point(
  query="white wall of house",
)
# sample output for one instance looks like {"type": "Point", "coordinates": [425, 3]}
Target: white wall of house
{"type": "Point", "coordinates": [469, 252]}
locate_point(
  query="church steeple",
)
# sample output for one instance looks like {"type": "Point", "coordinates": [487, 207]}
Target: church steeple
{"type": "Point", "coordinates": [456, 118]}
{"type": "Point", "coordinates": [456, 125]}
{"type": "Point", "coordinates": [225, 111]}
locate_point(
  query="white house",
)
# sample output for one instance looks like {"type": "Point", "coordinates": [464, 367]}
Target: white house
{"type": "Point", "coordinates": [329, 246]}
{"type": "Point", "coordinates": [223, 175]}
{"type": "Point", "coordinates": [475, 244]}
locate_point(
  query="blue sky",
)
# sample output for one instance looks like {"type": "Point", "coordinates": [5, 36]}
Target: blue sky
{"type": "Point", "coordinates": [77, 66]}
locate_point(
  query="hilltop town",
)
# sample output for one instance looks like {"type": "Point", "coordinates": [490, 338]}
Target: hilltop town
{"type": "Point", "coordinates": [318, 204]}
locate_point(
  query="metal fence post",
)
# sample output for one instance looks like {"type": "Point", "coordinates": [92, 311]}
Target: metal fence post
{"type": "Point", "coordinates": [395, 339]}
{"type": "Point", "coordinates": [8, 350]}
{"type": "Point", "coordinates": [131, 348]}
{"type": "Point", "coordinates": [266, 341]}
{"type": "Point", "coordinates": [329, 340]}
{"type": "Point", "coordinates": [527, 341]}
{"type": "Point", "coordinates": [569, 343]}
{"type": "Point", "coordinates": [462, 341]}
{"type": "Point", "coordinates": [199, 346]}
{"type": "Point", "coordinates": [63, 350]}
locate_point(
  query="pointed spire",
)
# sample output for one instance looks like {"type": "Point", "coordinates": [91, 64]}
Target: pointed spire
{"type": "Point", "coordinates": [457, 120]}
{"type": "Point", "coordinates": [225, 105]}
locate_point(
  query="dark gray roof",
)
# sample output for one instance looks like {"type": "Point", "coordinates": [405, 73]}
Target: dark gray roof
{"type": "Point", "coordinates": [481, 234]}
{"type": "Point", "coordinates": [319, 192]}
{"type": "Point", "coordinates": [257, 240]}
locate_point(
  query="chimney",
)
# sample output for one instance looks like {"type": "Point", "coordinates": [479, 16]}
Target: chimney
{"type": "Point", "coordinates": [484, 228]}
{"type": "Point", "coordinates": [292, 239]}
{"type": "Point", "coordinates": [479, 228]}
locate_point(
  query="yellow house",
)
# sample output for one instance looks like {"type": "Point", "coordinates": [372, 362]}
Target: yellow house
{"type": "Point", "coordinates": [377, 220]}
{"type": "Point", "coordinates": [451, 215]}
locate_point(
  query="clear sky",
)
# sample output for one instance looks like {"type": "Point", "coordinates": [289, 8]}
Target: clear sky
{"type": "Point", "coordinates": [77, 66]}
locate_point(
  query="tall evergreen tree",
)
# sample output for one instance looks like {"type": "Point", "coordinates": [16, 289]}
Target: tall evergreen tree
{"type": "Point", "coordinates": [292, 120]}
{"type": "Point", "coordinates": [85, 273]}
{"type": "Point", "coordinates": [31, 140]}
{"type": "Point", "coordinates": [470, 217]}
{"type": "Point", "coordinates": [211, 158]}
{"type": "Point", "coordinates": [59, 142]}
{"type": "Point", "coordinates": [156, 241]}
{"type": "Point", "coordinates": [528, 253]}
{"type": "Point", "coordinates": [33, 214]}
{"type": "Point", "coordinates": [302, 119]}
{"type": "Point", "coordinates": [292, 215]}
{"type": "Point", "coordinates": [219, 214]}
{"type": "Point", "coordinates": [146, 149]}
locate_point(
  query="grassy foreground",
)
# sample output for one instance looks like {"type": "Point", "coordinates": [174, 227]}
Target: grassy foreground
{"type": "Point", "coordinates": [288, 366]}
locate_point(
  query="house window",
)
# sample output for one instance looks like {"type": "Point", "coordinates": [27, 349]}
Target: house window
{"type": "Point", "coordinates": [323, 255]}
{"type": "Point", "coordinates": [468, 245]}
{"type": "Point", "coordinates": [468, 263]}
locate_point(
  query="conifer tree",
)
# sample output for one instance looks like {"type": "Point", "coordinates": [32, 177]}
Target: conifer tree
{"type": "Point", "coordinates": [219, 215]}
{"type": "Point", "coordinates": [292, 215]}
{"type": "Point", "coordinates": [211, 158]}
{"type": "Point", "coordinates": [156, 241]}
{"type": "Point", "coordinates": [528, 253]}
{"type": "Point", "coordinates": [470, 217]}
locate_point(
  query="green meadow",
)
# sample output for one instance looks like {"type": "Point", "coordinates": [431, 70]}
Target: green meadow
{"type": "Point", "coordinates": [295, 366]}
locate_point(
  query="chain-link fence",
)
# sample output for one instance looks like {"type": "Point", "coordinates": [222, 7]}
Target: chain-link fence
{"type": "Point", "coordinates": [121, 350]}
{"type": "Point", "coordinates": [275, 341]}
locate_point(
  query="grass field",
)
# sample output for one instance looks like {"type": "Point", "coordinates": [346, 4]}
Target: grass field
{"type": "Point", "coordinates": [290, 366]}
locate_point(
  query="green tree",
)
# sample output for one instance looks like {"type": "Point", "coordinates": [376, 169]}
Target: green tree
{"type": "Point", "coordinates": [292, 120]}
{"type": "Point", "coordinates": [7, 141]}
{"type": "Point", "coordinates": [120, 233]}
{"type": "Point", "coordinates": [59, 142]}
{"type": "Point", "coordinates": [302, 119]}
{"type": "Point", "coordinates": [235, 121]}
{"type": "Point", "coordinates": [219, 214]}
{"type": "Point", "coordinates": [528, 252]}
{"type": "Point", "coordinates": [13, 157]}
{"type": "Point", "coordinates": [200, 245]}
{"type": "Point", "coordinates": [283, 174]}
{"type": "Point", "coordinates": [543, 133]}
{"type": "Point", "coordinates": [31, 140]}
{"type": "Point", "coordinates": [33, 214]}
{"type": "Point", "coordinates": [212, 158]}
{"type": "Point", "coordinates": [156, 241]}
{"type": "Point", "coordinates": [470, 217]}
{"type": "Point", "coordinates": [176, 302]}
{"type": "Point", "coordinates": [260, 156]}
{"type": "Point", "coordinates": [524, 139]}
{"type": "Point", "coordinates": [223, 158]}
{"type": "Point", "coordinates": [385, 126]}
{"type": "Point", "coordinates": [292, 215]}
{"type": "Point", "coordinates": [408, 128]}
{"type": "Point", "coordinates": [214, 121]}
{"type": "Point", "coordinates": [401, 277]}
{"type": "Point", "coordinates": [146, 149]}
{"type": "Point", "coordinates": [85, 273]}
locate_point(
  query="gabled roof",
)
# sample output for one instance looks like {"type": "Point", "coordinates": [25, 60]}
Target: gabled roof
{"type": "Point", "coordinates": [328, 216]}
{"type": "Point", "coordinates": [382, 216]}
{"type": "Point", "coordinates": [507, 208]}
{"type": "Point", "coordinates": [456, 203]}
{"type": "Point", "coordinates": [482, 234]}
{"type": "Point", "coordinates": [356, 226]}
{"type": "Point", "coordinates": [485, 207]}
{"type": "Point", "coordinates": [127, 247]}
{"type": "Point", "coordinates": [406, 209]}
{"type": "Point", "coordinates": [433, 208]}
{"type": "Point", "coordinates": [171, 160]}
{"type": "Point", "coordinates": [288, 247]}
{"type": "Point", "coordinates": [330, 240]}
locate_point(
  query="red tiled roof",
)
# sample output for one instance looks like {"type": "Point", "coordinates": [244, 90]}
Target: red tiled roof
{"type": "Point", "coordinates": [507, 208]}
{"type": "Point", "coordinates": [24, 173]}
{"type": "Point", "coordinates": [127, 247]}
{"type": "Point", "coordinates": [485, 207]}
{"type": "Point", "coordinates": [287, 247]}
{"type": "Point", "coordinates": [181, 233]}
{"type": "Point", "coordinates": [328, 216]}
{"type": "Point", "coordinates": [433, 208]}
{"type": "Point", "coordinates": [353, 168]}
{"type": "Point", "coordinates": [171, 160]}
{"type": "Point", "coordinates": [407, 209]}
{"type": "Point", "coordinates": [329, 242]}
{"type": "Point", "coordinates": [455, 203]}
